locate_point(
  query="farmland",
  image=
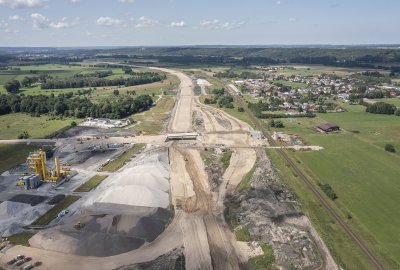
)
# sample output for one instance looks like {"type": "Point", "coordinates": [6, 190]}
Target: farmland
{"type": "Point", "coordinates": [37, 127]}
{"type": "Point", "coordinates": [361, 173]}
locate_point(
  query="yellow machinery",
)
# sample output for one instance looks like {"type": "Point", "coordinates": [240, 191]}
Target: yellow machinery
{"type": "Point", "coordinates": [37, 164]}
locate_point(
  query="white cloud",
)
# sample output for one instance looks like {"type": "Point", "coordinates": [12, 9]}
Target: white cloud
{"type": "Point", "coordinates": [3, 25]}
{"type": "Point", "coordinates": [127, 1]}
{"type": "Point", "coordinates": [39, 21]}
{"type": "Point", "coordinates": [23, 3]}
{"type": "Point", "coordinates": [145, 22]}
{"type": "Point", "coordinates": [16, 18]}
{"type": "Point", "coordinates": [217, 24]}
{"type": "Point", "coordinates": [292, 20]}
{"type": "Point", "coordinates": [74, 1]}
{"type": "Point", "coordinates": [107, 21]}
{"type": "Point", "coordinates": [177, 24]}
{"type": "Point", "coordinates": [278, 2]}
{"type": "Point", "coordinates": [64, 23]}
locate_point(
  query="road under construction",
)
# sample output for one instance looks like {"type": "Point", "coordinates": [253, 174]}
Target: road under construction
{"type": "Point", "coordinates": [198, 225]}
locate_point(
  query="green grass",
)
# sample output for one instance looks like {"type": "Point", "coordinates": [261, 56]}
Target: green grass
{"type": "Point", "coordinates": [243, 235]}
{"type": "Point", "coordinates": [394, 101]}
{"type": "Point", "coordinates": [206, 156]}
{"type": "Point", "coordinates": [226, 159]}
{"type": "Point", "coordinates": [152, 121]}
{"type": "Point", "coordinates": [362, 174]}
{"type": "Point", "coordinates": [344, 251]}
{"type": "Point", "coordinates": [38, 127]}
{"type": "Point", "coordinates": [53, 212]}
{"type": "Point", "coordinates": [13, 155]}
{"type": "Point", "coordinates": [245, 183]}
{"type": "Point", "coordinates": [264, 261]}
{"type": "Point", "coordinates": [117, 163]}
{"type": "Point", "coordinates": [21, 238]}
{"type": "Point", "coordinates": [294, 85]}
{"type": "Point", "coordinates": [91, 183]}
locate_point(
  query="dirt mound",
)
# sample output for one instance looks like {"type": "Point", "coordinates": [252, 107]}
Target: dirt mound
{"type": "Point", "coordinates": [104, 234]}
{"type": "Point", "coordinates": [172, 260]}
{"type": "Point", "coordinates": [28, 199]}
{"type": "Point", "coordinates": [56, 199]}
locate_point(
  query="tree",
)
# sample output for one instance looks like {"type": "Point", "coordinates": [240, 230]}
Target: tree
{"type": "Point", "coordinates": [23, 135]}
{"type": "Point", "coordinates": [12, 86]}
{"type": "Point", "coordinates": [116, 92]}
{"type": "Point", "coordinates": [390, 148]}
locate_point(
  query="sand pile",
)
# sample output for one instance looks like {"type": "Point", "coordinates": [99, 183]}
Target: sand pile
{"type": "Point", "coordinates": [144, 183]}
{"type": "Point", "coordinates": [15, 215]}
{"type": "Point", "coordinates": [129, 209]}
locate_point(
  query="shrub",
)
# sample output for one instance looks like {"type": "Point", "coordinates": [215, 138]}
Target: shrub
{"type": "Point", "coordinates": [240, 109]}
{"type": "Point", "coordinates": [390, 148]}
{"type": "Point", "coordinates": [328, 190]}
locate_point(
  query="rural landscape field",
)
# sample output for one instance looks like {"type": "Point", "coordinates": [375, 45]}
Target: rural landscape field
{"type": "Point", "coordinates": [130, 140]}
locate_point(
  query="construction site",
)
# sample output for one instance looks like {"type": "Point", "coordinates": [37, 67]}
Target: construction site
{"type": "Point", "coordinates": [164, 207]}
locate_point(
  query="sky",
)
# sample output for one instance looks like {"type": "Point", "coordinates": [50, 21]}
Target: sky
{"type": "Point", "coordinates": [65, 23]}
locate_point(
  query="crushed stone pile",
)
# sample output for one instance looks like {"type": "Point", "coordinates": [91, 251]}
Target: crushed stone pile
{"type": "Point", "coordinates": [104, 234]}
{"type": "Point", "coordinates": [15, 215]}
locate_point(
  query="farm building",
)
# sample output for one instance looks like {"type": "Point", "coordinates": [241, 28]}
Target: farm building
{"type": "Point", "coordinates": [327, 127]}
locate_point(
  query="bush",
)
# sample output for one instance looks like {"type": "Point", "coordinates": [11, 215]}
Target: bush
{"type": "Point", "coordinates": [240, 109]}
{"type": "Point", "coordinates": [390, 148]}
{"type": "Point", "coordinates": [397, 112]}
{"type": "Point", "coordinates": [327, 189]}
{"type": "Point", "coordinates": [23, 135]}
{"type": "Point", "coordinates": [73, 124]}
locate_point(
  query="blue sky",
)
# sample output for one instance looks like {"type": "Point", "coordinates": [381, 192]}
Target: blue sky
{"type": "Point", "coordinates": [197, 22]}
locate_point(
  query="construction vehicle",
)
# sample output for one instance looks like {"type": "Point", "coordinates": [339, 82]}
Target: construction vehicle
{"type": "Point", "coordinates": [37, 164]}
{"type": "Point", "coordinates": [78, 225]}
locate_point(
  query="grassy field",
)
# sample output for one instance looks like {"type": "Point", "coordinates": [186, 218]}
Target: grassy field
{"type": "Point", "coordinates": [91, 183]}
{"type": "Point", "coordinates": [117, 163]}
{"type": "Point", "coordinates": [37, 127]}
{"type": "Point", "coordinates": [344, 251]}
{"type": "Point", "coordinates": [394, 101]}
{"type": "Point", "coordinates": [21, 238]}
{"type": "Point", "coordinates": [12, 155]}
{"type": "Point", "coordinates": [363, 175]}
{"type": "Point", "coordinates": [53, 212]}
{"type": "Point", "coordinates": [152, 121]}
{"type": "Point", "coordinates": [264, 261]}
{"type": "Point", "coordinates": [294, 85]}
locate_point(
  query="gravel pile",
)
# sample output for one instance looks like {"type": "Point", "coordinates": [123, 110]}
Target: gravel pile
{"type": "Point", "coordinates": [15, 215]}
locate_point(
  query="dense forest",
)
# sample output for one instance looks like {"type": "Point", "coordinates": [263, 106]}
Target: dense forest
{"type": "Point", "coordinates": [69, 106]}
{"type": "Point", "coordinates": [78, 82]}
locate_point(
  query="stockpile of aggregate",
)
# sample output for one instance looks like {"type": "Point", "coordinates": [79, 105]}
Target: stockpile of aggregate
{"type": "Point", "coordinates": [15, 215]}
{"type": "Point", "coordinates": [129, 209]}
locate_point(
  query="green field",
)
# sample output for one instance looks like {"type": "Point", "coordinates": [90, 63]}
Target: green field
{"type": "Point", "coordinates": [294, 85]}
{"type": "Point", "coordinates": [38, 127]}
{"type": "Point", "coordinates": [152, 122]}
{"type": "Point", "coordinates": [91, 183]}
{"type": "Point", "coordinates": [53, 212]}
{"type": "Point", "coordinates": [363, 175]}
{"type": "Point", "coordinates": [13, 155]}
{"type": "Point", "coordinates": [117, 163]}
{"type": "Point", "coordinates": [21, 238]}
{"type": "Point", "coordinates": [394, 101]}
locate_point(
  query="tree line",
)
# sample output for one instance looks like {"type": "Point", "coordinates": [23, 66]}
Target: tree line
{"type": "Point", "coordinates": [382, 108]}
{"type": "Point", "coordinates": [69, 106]}
{"type": "Point", "coordinates": [77, 82]}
